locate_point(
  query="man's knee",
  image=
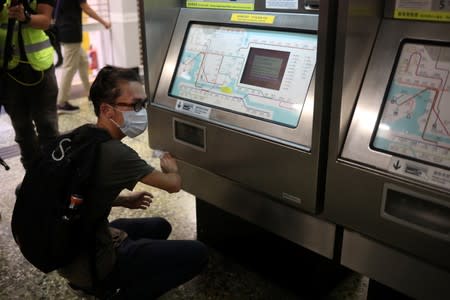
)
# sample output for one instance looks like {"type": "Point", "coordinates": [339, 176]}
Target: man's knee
{"type": "Point", "coordinates": [165, 227]}
{"type": "Point", "coordinates": [199, 254]}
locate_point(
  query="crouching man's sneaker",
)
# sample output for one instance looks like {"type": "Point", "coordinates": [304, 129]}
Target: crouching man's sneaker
{"type": "Point", "coordinates": [67, 108]}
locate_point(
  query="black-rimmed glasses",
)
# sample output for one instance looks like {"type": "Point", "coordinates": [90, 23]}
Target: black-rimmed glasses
{"type": "Point", "coordinates": [137, 106]}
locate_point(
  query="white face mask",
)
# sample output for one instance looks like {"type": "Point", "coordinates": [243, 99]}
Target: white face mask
{"type": "Point", "coordinates": [134, 123]}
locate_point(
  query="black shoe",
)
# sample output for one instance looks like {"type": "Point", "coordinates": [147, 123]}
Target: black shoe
{"type": "Point", "coordinates": [67, 108]}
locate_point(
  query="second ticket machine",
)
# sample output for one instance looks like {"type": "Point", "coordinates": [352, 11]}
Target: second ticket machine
{"type": "Point", "coordinates": [241, 101]}
{"type": "Point", "coordinates": [388, 179]}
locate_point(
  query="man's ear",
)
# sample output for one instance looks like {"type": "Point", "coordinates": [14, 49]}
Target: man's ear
{"type": "Point", "coordinates": [106, 110]}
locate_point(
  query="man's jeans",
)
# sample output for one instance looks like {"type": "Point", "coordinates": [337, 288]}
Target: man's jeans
{"type": "Point", "coordinates": [148, 265]}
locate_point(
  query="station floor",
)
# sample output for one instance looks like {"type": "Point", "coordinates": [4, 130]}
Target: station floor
{"type": "Point", "coordinates": [226, 276]}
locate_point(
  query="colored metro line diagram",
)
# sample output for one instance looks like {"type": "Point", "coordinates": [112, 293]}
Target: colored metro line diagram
{"type": "Point", "coordinates": [259, 73]}
{"type": "Point", "coordinates": [416, 117]}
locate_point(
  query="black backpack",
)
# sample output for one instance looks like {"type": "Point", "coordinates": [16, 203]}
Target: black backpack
{"type": "Point", "coordinates": [48, 231]}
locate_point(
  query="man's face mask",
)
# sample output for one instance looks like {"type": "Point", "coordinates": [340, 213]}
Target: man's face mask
{"type": "Point", "coordinates": [134, 123]}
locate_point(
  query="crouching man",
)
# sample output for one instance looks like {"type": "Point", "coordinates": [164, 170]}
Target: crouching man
{"type": "Point", "coordinates": [131, 255]}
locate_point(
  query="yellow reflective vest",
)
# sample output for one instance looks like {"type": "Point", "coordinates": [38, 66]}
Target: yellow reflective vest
{"type": "Point", "coordinates": [37, 47]}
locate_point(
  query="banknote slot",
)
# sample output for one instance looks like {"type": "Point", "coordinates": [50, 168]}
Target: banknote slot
{"type": "Point", "coordinates": [189, 134]}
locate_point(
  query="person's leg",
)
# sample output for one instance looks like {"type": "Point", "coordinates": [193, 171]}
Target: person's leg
{"type": "Point", "coordinates": [83, 70]}
{"type": "Point", "coordinates": [43, 108]}
{"type": "Point", "coordinates": [148, 265]}
{"type": "Point", "coordinates": [150, 228]}
{"type": "Point", "coordinates": [25, 134]}
{"type": "Point", "coordinates": [16, 103]}
{"type": "Point", "coordinates": [69, 68]}
{"type": "Point", "coordinates": [146, 269]}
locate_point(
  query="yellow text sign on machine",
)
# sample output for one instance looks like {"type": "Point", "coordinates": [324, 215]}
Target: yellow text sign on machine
{"type": "Point", "coordinates": [423, 10]}
{"type": "Point", "coordinates": [422, 15]}
{"type": "Point", "coordinates": [253, 18]}
{"type": "Point", "coordinates": [243, 5]}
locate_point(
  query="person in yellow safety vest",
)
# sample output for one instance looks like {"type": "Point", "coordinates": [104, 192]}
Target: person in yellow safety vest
{"type": "Point", "coordinates": [29, 86]}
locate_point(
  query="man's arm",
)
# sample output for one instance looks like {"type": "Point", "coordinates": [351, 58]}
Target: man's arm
{"type": "Point", "coordinates": [134, 200]}
{"type": "Point", "coordinates": [169, 179]}
{"type": "Point", "coordinates": [40, 20]}
{"type": "Point", "coordinates": [91, 13]}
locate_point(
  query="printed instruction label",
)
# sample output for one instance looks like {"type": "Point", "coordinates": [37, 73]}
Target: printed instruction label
{"type": "Point", "coordinates": [282, 4]}
{"type": "Point", "coordinates": [253, 18]}
{"type": "Point", "coordinates": [425, 10]}
{"type": "Point", "coordinates": [427, 174]}
{"type": "Point", "coordinates": [221, 4]}
{"type": "Point", "coordinates": [193, 109]}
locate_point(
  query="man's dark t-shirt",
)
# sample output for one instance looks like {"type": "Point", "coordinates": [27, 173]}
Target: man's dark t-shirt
{"type": "Point", "coordinates": [118, 167]}
{"type": "Point", "coordinates": [49, 2]}
{"type": "Point", "coordinates": [68, 20]}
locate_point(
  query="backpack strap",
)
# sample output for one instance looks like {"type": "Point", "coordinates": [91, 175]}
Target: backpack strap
{"type": "Point", "coordinates": [27, 7]}
{"type": "Point", "coordinates": [86, 140]}
{"type": "Point", "coordinates": [8, 50]}
{"type": "Point", "coordinates": [83, 153]}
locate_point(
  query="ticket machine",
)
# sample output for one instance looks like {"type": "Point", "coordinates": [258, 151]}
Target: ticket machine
{"type": "Point", "coordinates": [388, 175]}
{"type": "Point", "coordinates": [242, 102]}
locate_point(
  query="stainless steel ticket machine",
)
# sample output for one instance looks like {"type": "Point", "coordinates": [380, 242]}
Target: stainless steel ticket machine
{"type": "Point", "coordinates": [388, 180]}
{"type": "Point", "coordinates": [241, 102]}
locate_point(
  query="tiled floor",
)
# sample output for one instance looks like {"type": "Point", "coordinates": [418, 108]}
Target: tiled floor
{"type": "Point", "coordinates": [224, 278]}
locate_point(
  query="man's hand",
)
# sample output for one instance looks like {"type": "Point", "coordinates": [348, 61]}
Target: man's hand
{"type": "Point", "coordinates": [168, 164]}
{"type": "Point", "coordinates": [16, 11]}
{"type": "Point", "coordinates": [107, 24]}
{"type": "Point", "coordinates": [135, 200]}
{"type": "Point", "coordinates": [168, 178]}
{"type": "Point", "coordinates": [40, 20]}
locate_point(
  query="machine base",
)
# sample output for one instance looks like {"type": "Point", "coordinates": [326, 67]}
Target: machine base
{"type": "Point", "coordinates": [286, 263]}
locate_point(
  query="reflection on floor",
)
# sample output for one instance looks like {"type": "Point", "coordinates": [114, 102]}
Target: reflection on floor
{"type": "Point", "coordinates": [225, 277]}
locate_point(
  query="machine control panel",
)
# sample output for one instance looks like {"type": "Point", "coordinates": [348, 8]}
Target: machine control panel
{"type": "Point", "coordinates": [256, 78]}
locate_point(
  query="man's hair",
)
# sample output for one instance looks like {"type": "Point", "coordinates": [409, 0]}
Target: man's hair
{"type": "Point", "coordinates": [105, 88]}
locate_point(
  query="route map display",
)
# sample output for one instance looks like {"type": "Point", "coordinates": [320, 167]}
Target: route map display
{"type": "Point", "coordinates": [416, 119]}
{"type": "Point", "coordinates": [260, 73]}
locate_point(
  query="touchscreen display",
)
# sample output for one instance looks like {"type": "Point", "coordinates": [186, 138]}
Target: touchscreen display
{"type": "Point", "coordinates": [415, 122]}
{"type": "Point", "coordinates": [260, 73]}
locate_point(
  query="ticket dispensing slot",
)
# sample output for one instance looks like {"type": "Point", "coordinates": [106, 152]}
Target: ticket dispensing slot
{"type": "Point", "coordinates": [417, 211]}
